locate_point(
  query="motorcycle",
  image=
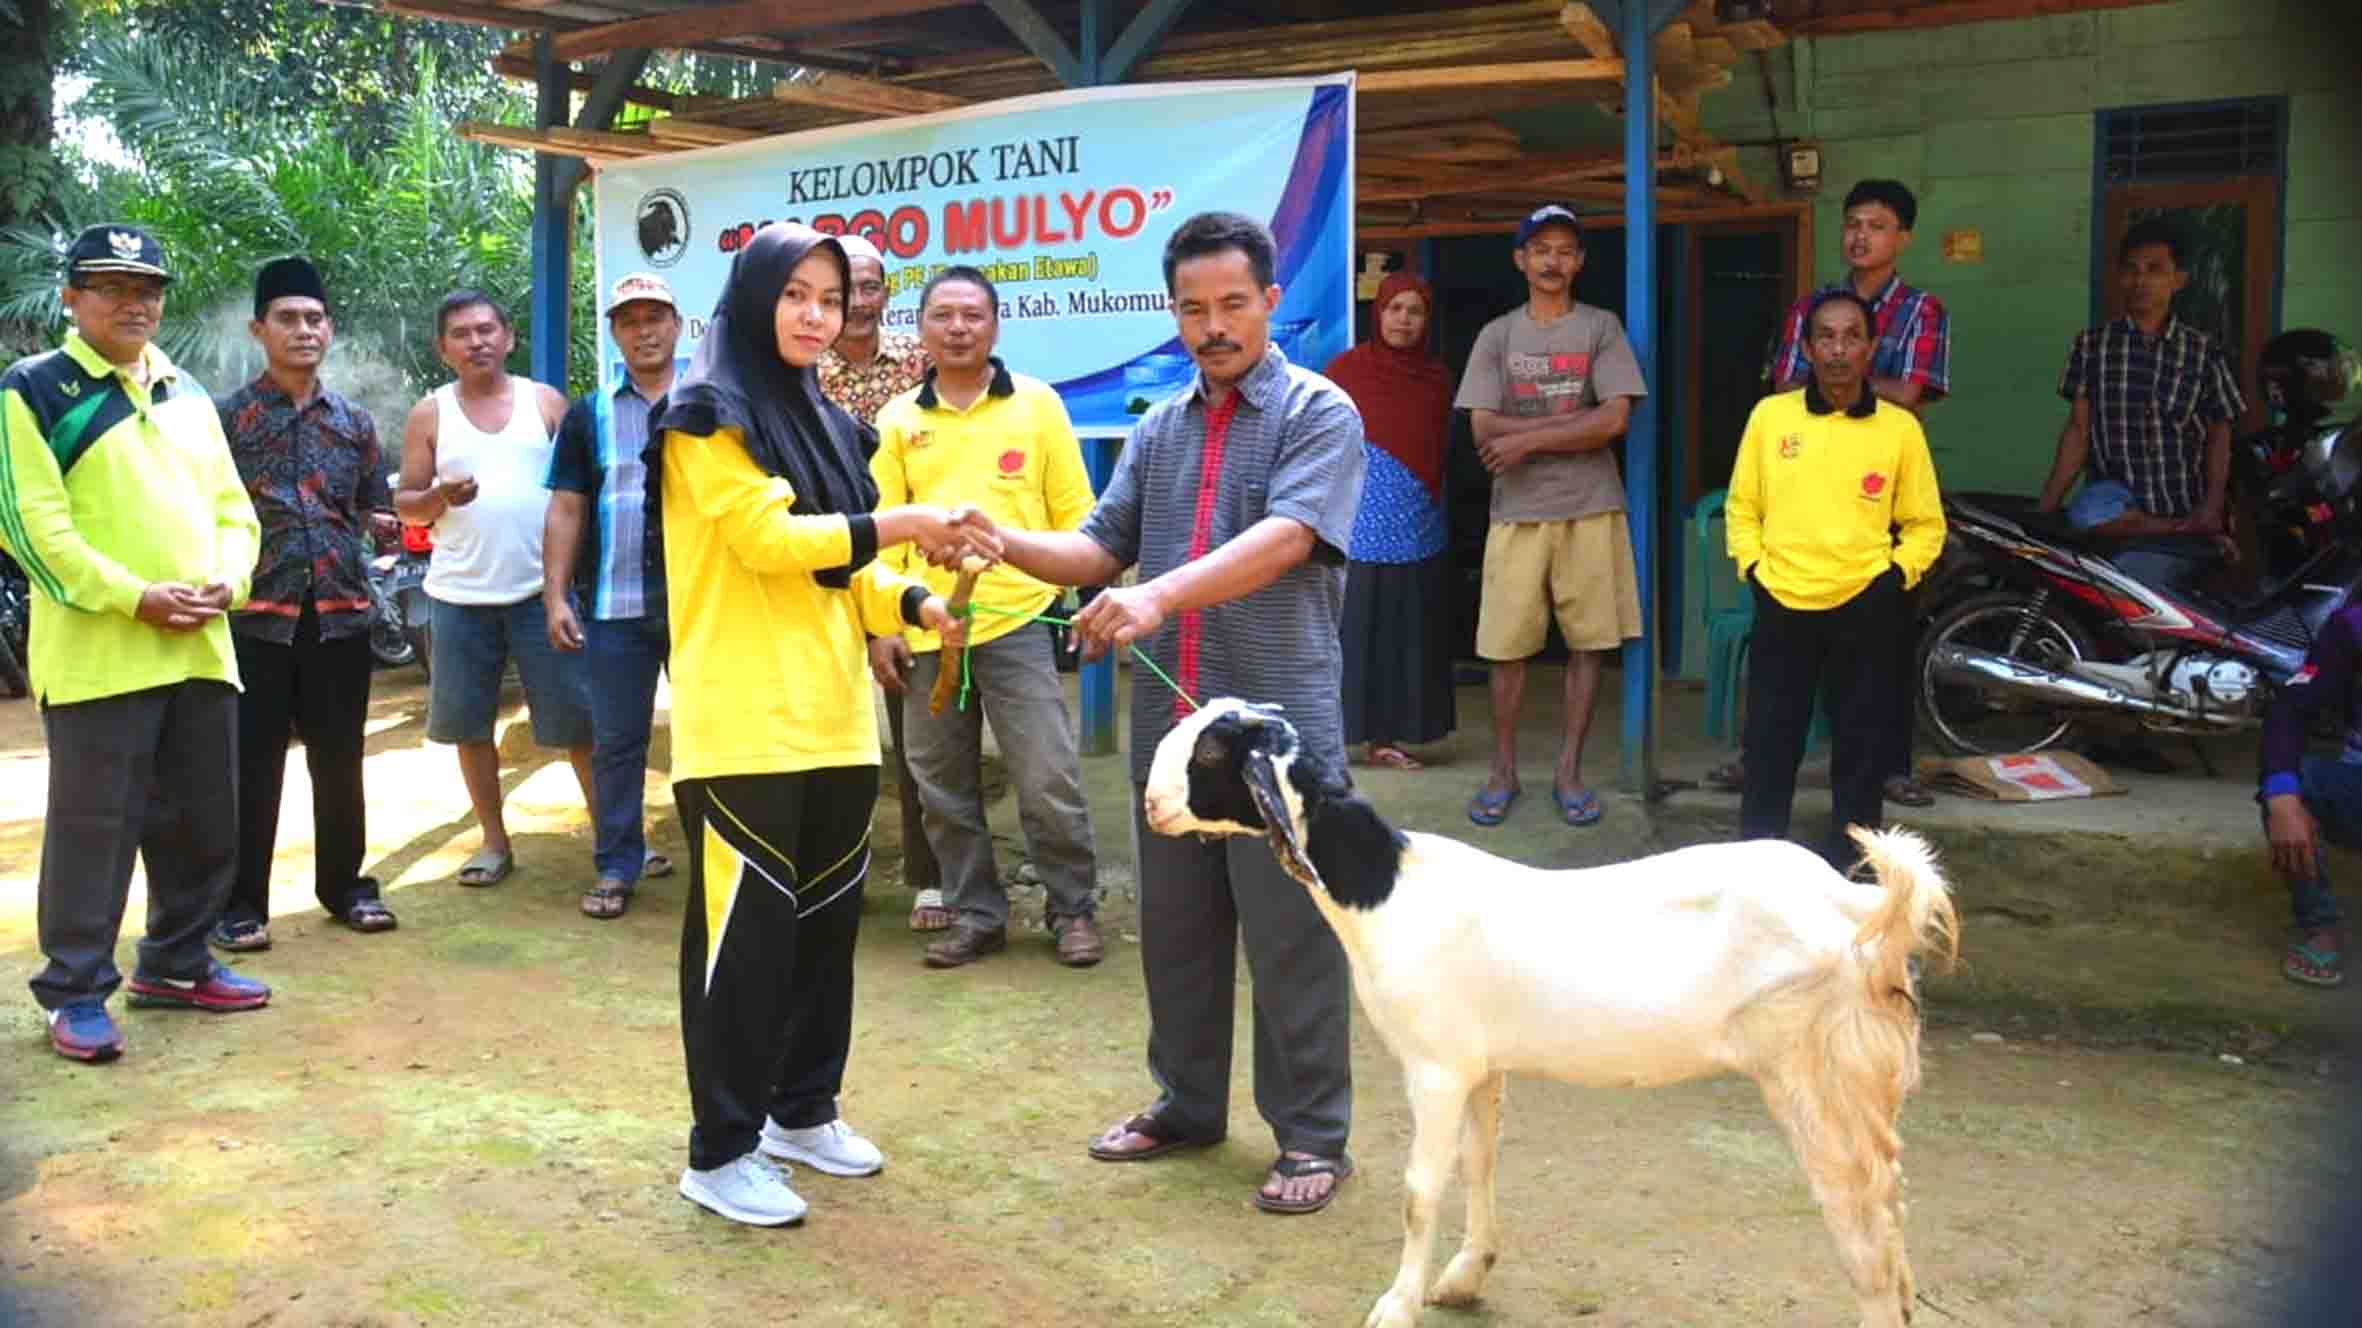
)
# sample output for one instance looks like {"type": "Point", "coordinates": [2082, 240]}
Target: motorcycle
{"type": "Point", "coordinates": [16, 621]}
{"type": "Point", "coordinates": [2035, 631]}
{"type": "Point", "coordinates": [401, 630]}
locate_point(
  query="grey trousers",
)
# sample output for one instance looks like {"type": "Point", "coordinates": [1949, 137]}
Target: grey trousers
{"type": "Point", "coordinates": [154, 773]}
{"type": "Point", "coordinates": [1198, 899]}
{"type": "Point", "coordinates": [1017, 690]}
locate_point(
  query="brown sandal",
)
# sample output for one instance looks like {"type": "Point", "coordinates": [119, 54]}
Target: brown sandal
{"type": "Point", "coordinates": [1395, 758]}
{"type": "Point", "coordinates": [1161, 1141]}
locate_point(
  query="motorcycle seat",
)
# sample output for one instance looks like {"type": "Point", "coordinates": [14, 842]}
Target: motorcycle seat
{"type": "Point", "coordinates": [2018, 509]}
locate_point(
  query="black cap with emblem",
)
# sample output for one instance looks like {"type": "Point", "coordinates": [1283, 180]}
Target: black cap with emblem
{"type": "Point", "coordinates": [113, 247]}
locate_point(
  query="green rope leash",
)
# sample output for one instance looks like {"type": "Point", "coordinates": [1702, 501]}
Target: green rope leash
{"type": "Point", "coordinates": [967, 666]}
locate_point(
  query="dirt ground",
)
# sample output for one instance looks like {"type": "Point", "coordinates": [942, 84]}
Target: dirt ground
{"type": "Point", "coordinates": [478, 1119]}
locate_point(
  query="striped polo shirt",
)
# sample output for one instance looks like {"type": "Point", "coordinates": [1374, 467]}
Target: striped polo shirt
{"type": "Point", "coordinates": [1286, 443]}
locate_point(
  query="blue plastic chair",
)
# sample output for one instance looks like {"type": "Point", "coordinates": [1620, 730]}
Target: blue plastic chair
{"type": "Point", "coordinates": [1728, 630]}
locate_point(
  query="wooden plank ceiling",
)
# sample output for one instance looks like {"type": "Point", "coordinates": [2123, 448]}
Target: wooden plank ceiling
{"type": "Point", "coordinates": [1434, 154]}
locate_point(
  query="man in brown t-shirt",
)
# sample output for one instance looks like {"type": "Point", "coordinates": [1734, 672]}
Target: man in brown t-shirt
{"type": "Point", "coordinates": [1549, 389]}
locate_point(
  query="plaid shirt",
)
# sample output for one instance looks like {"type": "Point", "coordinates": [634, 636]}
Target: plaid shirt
{"type": "Point", "coordinates": [1914, 340]}
{"type": "Point", "coordinates": [314, 474]}
{"type": "Point", "coordinates": [2152, 401]}
{"type": "Point", "coordinates": [901, 362]}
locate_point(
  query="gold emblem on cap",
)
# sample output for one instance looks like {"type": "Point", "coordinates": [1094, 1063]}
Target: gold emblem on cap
{"type": "Point", "coordinates": [124, 243]}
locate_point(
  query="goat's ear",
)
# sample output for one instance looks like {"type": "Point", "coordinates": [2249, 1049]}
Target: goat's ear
{"type": "Point", "coordinates": [1262, 777]}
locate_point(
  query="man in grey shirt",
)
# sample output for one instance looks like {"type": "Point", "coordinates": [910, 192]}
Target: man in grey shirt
{"type": "Point", "coordinates": [1236, 501]}
{"type": "Point", "coordinates": [1549, 388]}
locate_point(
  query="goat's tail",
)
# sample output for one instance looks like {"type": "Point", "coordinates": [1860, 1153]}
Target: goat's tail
{"type": "Point", "coordinates": [1916, 916]}
{"type": "Point", "coordinates": [1839, 1089]}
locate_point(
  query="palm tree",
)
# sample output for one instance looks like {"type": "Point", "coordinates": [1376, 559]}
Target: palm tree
{"type": "Point", "coordinates": [227, 182]}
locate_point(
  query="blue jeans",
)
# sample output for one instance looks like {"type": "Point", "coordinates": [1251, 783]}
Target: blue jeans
{"type": "Point", "coordinates": [625, 655]}
{"type": "Point", "coordinates": [474, 644]}
{"type": "Point", "coordinates": [2332, 790]}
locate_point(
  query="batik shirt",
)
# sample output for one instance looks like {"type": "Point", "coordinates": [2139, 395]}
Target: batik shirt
{"type": "Point", "coordinates": [901, 362]}
{"type": "Point", "coordinates": [314, 474]}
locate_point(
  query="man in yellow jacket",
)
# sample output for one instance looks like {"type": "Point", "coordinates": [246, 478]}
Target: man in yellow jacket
{"type": "Point", "coordinates": [974, 433]}
{"type": "Point", "coordinates": [120, 499]}
{"type": "Point", "coordinates": [1825, 476]}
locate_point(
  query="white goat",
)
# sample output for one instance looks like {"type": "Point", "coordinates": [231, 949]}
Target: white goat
{"type": "Point", "coordinates": [1752, 958]}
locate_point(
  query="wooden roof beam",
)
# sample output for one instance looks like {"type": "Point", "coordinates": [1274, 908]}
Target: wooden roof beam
{"type": "Point", "coordinates": [681, 132]}
{"type": "Point", "coordinates": [687, 28]}
{"type": "Point", "coordinates": [592, 144]}
{"type": "Point", "coordinates": [475, 13]}
{"type": "Point", "coordinates": [520, 68]}
{"type": "Point", "coordinates": [847, 92]}
{"type": "Point", "coordinates": [1467, 78]}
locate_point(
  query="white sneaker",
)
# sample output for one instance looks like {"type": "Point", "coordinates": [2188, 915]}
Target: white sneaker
{"type": "Point", "coordinates": [746, 1189]}
{"type": "Point", "coordinates": [832, 1148]}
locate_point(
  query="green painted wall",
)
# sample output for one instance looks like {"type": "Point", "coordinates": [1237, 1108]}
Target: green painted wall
{"type": "Point", "coordinates": [1992, 125]}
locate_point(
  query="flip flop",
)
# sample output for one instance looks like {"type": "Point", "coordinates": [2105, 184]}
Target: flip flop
{"type": "Point", "coordinates": [929, 913]}
{"type": "Point", "coordinates": [1491, 806]}
{"type": "Point", "coordinates": [656, 864]}
{"type": "Point", "coordinates": [486, 868]}
{"type": "Point", "coordinates": [1290, 1168]}
{"type": "Point", "coordinates": [2313, 966]}
{"type": "Point", "coordinates": [1150, 1128]}
{"type": "Point", "coordinates": [1908, 792]}
{"type": "Point", "coordinates": [368, 914]}
{"type": "Point", "coordinates": [1395, 758]}
{"type": "Point", "coordinates": [606, 900]}
{"type": "Point", "coordinates": [1578, 810]}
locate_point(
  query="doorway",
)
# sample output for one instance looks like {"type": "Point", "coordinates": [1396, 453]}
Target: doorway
{"type": "Point", "coordinates": [2217, 171]}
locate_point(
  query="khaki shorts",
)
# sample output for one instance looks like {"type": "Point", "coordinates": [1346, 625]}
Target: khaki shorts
{"type": "Point", "coordinates": [1579, 570]}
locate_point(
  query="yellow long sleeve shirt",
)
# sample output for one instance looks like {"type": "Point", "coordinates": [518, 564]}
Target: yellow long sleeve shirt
{"type": "Point", "coordinates": [1815, 496]}
{"type": "Point", "coordinates": [106, 488]}
{"type": "Point", "coordinates": [770, 669]}
{"type": "Point", "coordinates": [1011, 453]}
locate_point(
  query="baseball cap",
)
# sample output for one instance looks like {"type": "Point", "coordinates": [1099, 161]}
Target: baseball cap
{"type": "Point", "coordinates": [1549, 214]}
{"type": "Point", "coordinates": [114, 247]}
{"type": "Point", "coordinates": [642, 286]}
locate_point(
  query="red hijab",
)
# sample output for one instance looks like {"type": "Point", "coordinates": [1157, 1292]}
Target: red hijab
{"type": "Point", "coordinates": [1405, 396]}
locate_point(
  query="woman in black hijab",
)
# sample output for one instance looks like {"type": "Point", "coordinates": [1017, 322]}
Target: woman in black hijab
{"type": "Point", "coordinates": [770, 549]}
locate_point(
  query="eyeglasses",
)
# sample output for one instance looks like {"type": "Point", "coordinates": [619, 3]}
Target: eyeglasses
{"type": "Point", "coordinates": [125, 292]}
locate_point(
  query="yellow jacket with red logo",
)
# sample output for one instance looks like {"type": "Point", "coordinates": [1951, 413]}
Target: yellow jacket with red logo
{"type": "Point", "coordinates": [1817, 493]}
{"type": "Point", "coordinates": [1012, 454]}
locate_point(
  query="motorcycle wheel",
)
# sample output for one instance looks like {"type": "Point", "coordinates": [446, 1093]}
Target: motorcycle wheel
{"type": "Point", "coordinates": [389, 645]}
{"type": "Point", "coordinates": [1972, 722]}
{"type": "Point", "coordinates": [418, 625]}
{"type": "Point", "coordinates": [14, 683]}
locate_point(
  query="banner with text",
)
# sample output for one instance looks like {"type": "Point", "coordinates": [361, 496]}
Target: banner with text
{"type": "Point", "coordinates": [1065, 200]}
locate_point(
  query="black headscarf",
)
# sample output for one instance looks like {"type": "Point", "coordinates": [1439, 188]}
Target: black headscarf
{"type": "Point", "coordinates": [737, 380]}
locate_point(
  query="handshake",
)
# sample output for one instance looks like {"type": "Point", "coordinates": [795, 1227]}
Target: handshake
{"type": "Point", "coordinates": [948, 537]}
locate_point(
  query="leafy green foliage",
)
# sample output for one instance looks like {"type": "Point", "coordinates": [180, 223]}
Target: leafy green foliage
{"type": "Point", "coordinates": [229, 170]}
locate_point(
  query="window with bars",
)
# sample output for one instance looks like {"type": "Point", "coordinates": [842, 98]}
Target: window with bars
{"type": "Point", "coordinates": [2191, 142]}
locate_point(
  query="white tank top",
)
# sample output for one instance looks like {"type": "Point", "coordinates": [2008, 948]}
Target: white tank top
{"type": "Point", "coordinates": [489, 552]}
